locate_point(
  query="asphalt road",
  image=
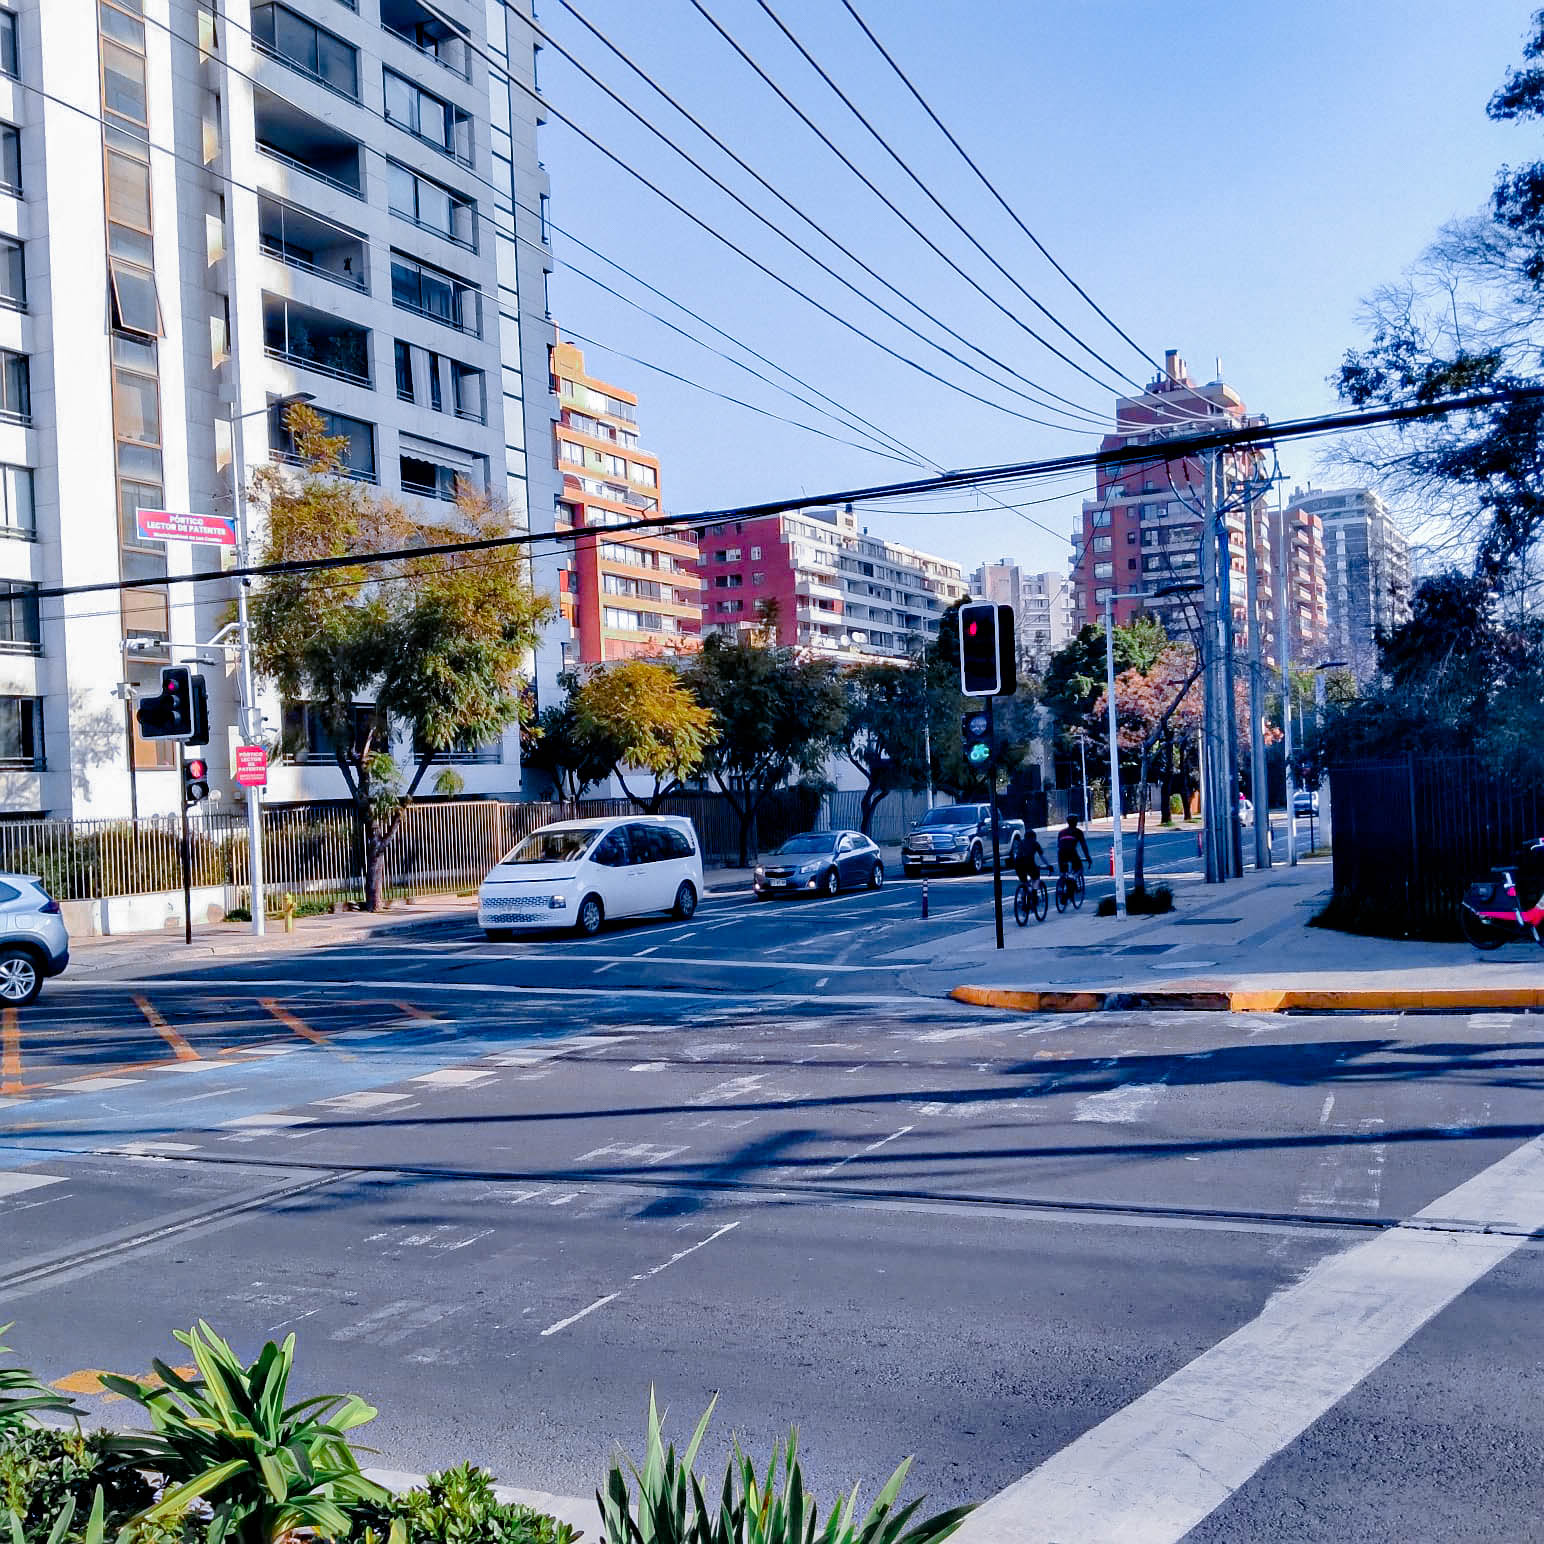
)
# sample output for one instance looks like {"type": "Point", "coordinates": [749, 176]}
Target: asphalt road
{"type": "Point", "coordinates": [504, 1189]}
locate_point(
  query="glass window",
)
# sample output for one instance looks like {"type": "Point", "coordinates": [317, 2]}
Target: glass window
{"type": "Point", "coordinates": [308, 47]}
{"type": "Point", "coordinates": [115, 24]}
{"type": "Point", "coordinates": [436, 394]}
{"type": "Point", "coordinates": [612, 852]}
{"type": "Point", "coordinates": [16, 516]}
{"type": "Point", "coordinates": [136, 407]}
{"type": "Point", "coordinates": [13, 275]}
{"type": "Point", "coordinates": [136, 307]}
{"type": "Point", "coordinates": [133, 497]}
{"type": "Point", "coordinates": [8, 56]}
{"type": "Point", "coordinates": [359, 438]}
{"type": "Point", "coordinates": [128, 190]}
{"type": "Point", "coordinates": [21, 733]}
{"type": "Point", "coordinates": [469, 397]}
{"type": "Point", "coordinates": [15, 387]}
{"type": "Point", "coordinates": [404, 357]}
{"type": "Point", "coordinates": [123, 82]}
{"type": "Point", "coordinates": [557, 844]}
{"type": "Point", "coordinates": [1103, 570]}
{"type": "Point", "coordinates": [10, 159]}
{"type": "Point", "coordinates": [19, 633]}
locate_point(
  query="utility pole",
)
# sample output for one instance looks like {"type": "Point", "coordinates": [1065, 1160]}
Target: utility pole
{"type": "Point", "coordinates": [1284, 644]}
{"type": "Point", "coordinates": [1228, 718]}
{"type": "Point", "coordinates": [1117, 856]}
{"type": "Point", "coordinates": [250, 715]}
{"type": "Point", "coordinates": [1083, 764]}
{"type": "Point", "coordinates": [1213, 798]}
{"type": "Point", "coordinates": [1258, 775]}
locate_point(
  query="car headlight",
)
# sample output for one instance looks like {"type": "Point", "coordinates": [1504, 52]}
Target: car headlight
{"type": "Point", "coordinates": [761, 873]}
{"type": "Point", "coordinates": [558, 902]}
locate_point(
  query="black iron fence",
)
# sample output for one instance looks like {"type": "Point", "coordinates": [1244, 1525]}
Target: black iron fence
{"type": "Point", "coordinates": [1411, 833]}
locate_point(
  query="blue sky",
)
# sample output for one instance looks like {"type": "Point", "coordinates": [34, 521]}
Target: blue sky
{"type": "Point", "coordinates": [1228, 179]}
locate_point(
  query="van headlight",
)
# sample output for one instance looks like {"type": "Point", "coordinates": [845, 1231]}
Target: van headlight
{"type": "Point", "coordinates": [557, 902]}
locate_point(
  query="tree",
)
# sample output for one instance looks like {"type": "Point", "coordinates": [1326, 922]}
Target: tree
{"type": "Point", "coordinates": [646, 716]}
{"type": "Point", "coordinates": [431, 647]}
{"type": "Point", "coordinates": [1073, 687]}
{"type": "Point", "coordinates": [884, 738]}
{"type": "Point", "coordinates": [778, 716]}
{"type": "Point", "coordinates": [571, 755]}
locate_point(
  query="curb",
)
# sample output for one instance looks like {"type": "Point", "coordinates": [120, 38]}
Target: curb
{"type": "Point", "coordinates": [1206, 999]}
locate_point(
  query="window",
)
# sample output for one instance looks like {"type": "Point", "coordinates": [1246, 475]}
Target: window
{"type": "Point", "coordinates": [306, 47]}
{"type": "Point", "coordinates": [9, 62]}
{"type": "Point", "coordinates": [755, 554]}
{"type": "Point", "coordinates": [21, 733]}
{"type": "Point", "coordinates": [436, 389]}
{"type": "Point", "coordinates": [1101, 517]}
{"type": "Point", "coordinates": [358, 452]}
{"type": "Point", "coordinates": [428, 204]}
{"type": "Point", "coordinates": [128, 206]}
{"type": "Point", "coordinates": [123, 83]}
{"type": "Point", "coordinates": [1101, 544]}
{"type": "Point", "coordinates": [732, 555]}
{"type": "Point", "coordinates": [307, 736]}
{"type": "Point", "coordinates": [10, 159]}
{"type": "Point", "coordinates": [429, 478]}
{"type": "Point", "coordinates": [136, 407]}
{"type": "Point", "coordinates": [13, 275]}
{"type": "Point", "coordinates": [434, 293]}
{"type": "Point", "coordinates": [19, 632]}
{"type": "Point", "coordinates": [16, 518]}
{"type": "Point", "coordinates": [15, 388]}
{"type": "Point", "coordinates": [427, 117]}
{"type": "Point", "coordinates": [645, 475]}
{"type": "Point", "coordinates": [1104, 570]}
{"type": "Point", "coordinates": [612, 852]}
{"type": "Point", "coordinates": [728, 582]}
{"type": "Point", "coordinates": [758, 578]}
{"type": "Point", "coordinates": [469, 392]}
{"type": "Point", "coordinates": [1102, 595]}
{"type": "Point", "coordinates": [136, 306]}
{"type": "Point", "coordinates": [403, 353]}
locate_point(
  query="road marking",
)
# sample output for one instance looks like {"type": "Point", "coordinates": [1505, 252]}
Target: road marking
{"type": "Point", "coordinates": [364, 1099]}
{"type": "Point", "coordinates": [730, 1090]}
{"type": "Point", "coordinates": [681, 1254]}
{"type": "Point", "coordinates": [97, 1085]}
{"type": "Point", "coordinates": [1119, 1106]}
{"type": "Point", "coordinates": [10, 1052]}
{"type": "Point", "coordinates": [1150, 1473]}
{"type": "Point", "coordinates": [180, 1047]}
{"type": "Point", "coordinates": [15, 1184]}
{"type": "Point", "coordinates": [873, 1147]}
{"type": "Point", "coordinates": [646, 1153]}
{"type": "Point", "coordinates": [147, 1149]}
{"type": "Point", "coordinates": [583, 1313]}
{"type": "Point", "coordinates": [300, 1027]}
{"type": "Point", "coordinates": [267, 1050]}
{"type": "Point", "coordinates": [455, 1077]}
{"type": "Point", "coordinates": [266, 1122]}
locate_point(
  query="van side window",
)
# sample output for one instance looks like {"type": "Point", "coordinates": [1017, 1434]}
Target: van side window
{"type": "Point", "coordinates": [612, 852]}
{"type": "Point", "coordinates": [648, 844]}
{"type": "Point", "coordinates": [680, 843]}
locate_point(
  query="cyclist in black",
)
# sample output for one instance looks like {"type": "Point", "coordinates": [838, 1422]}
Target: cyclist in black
{"type": "Point", "coordinates": [1031, 861]}
{"type": "Point", "coordinates": [1068, 842]}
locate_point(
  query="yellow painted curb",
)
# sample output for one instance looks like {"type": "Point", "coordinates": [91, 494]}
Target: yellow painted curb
{"type": "Point", "coordinates": [1218, 999]}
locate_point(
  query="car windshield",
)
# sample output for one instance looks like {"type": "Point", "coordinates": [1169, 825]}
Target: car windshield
{"type": "Point", "coordinates": [811, 841]}
{"type": "Point", "coordinates": [956, 815]}
{"type": "Point", "coordinates": [557, 844]}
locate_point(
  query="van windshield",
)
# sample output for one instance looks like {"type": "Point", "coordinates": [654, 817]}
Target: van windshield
{"type": "Point", "coordinates": [557, 844]}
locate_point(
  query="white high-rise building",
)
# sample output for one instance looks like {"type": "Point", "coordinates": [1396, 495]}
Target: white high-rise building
{"type": "Point", "coordinates": [205, 208]}
{"type": "Point", "coordinates": [1042, 607]}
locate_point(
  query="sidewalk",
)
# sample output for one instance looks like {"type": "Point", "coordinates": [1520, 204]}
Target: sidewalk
{"type": "Point", "coordinates": [1245, 945]}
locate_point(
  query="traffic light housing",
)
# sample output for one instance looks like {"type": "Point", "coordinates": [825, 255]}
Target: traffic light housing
{"type": "Point", "coordinates": [976, 733]}
{"type": "Point", "coordinates": [988, 659]}
{"type": "Point", "coordinates": [170, 715]}
{"type": "Point", "coordinates": [200, 703]}
{"type": "Point", "coordinates": [195, 780]}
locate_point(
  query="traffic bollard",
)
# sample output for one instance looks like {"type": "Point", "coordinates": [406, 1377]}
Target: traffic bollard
{"type": "Point", "coordinates": [287, 908]}
{"type": "Point", "coordinates": [924, 900]}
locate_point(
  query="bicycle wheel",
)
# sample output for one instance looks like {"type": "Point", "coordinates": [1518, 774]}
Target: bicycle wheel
{"type": "Point", "coordinates": [1021, 905]}
{"type": "Point", "coordinates": [1480, 932]}
{"type": "Point", "coordinates": [1078, 886]}
{"type": "Point", "coordinates": [1063, 887]}
{"type": "Point", "coordinates": [1042, 901]}
{"type": "Point", "coordinates": [1082, 888]}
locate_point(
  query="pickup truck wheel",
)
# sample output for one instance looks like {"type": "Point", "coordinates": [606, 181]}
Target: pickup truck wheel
{"type": "Point", "coordinates": [977, 860]}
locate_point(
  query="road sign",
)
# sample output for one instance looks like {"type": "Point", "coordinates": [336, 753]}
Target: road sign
{"type": "Point", "coordinates": [251, 766]}
{"type": "Point", "coordinates": [173, 525]}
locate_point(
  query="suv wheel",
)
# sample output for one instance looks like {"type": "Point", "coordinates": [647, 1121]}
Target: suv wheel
{"type": "Point", "coordinates": [20, 978]}
{"type": "Point", "coordinates": [977, 860]}
{"type": "Point", "coordinates": [685, 901]}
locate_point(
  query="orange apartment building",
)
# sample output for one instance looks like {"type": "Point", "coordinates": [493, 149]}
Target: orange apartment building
{"type": "Point", "coordinates": [633, 594]}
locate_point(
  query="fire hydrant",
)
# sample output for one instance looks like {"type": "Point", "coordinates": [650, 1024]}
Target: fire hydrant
{"type": "Point", "coordinates": [287, 911]}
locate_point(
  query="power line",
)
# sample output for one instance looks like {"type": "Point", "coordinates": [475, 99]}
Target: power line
{"type": "Point", "coordinates": [1247, 434]}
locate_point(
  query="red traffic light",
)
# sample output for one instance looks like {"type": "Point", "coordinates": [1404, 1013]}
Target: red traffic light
{"type": "Point", "coordinates": [197, 769]}
{"type": "Point", "coordinates": [971, 629]}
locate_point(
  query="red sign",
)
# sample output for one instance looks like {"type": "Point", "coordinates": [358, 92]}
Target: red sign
{"type": "Point", "coordinates": [251, 766]}
{"type": "Point", "coordinates": [172, 525]}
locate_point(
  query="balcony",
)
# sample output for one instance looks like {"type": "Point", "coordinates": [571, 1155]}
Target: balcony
{"type": "Point", "coordinates": [308, 145]}
{"type": "Point", "coordinates": [424, 31]}
{"type": "Point", "coordinates": [312, 340]}
{"type": "Point", "coordinates": [314, 246]}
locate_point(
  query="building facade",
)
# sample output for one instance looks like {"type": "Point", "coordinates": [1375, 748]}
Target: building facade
{"type": "Point", "coordinates": [1045, 617]}
{"type": "Point", "coordinates": [830, 586]}
{"type": "Point", "coordinates": [1366, 568]}
{"type": "Point", "coordinates": [203, 214]}
{"type": "Point", "coordinates": [634, 594]}
{"type": "Point", "coordinates": [1297, 535]}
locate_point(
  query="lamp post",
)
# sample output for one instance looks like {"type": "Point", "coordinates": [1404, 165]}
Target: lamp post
{"type": "Point", "coordinates": [250, 717]}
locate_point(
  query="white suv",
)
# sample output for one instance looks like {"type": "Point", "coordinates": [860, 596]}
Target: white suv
{"type": "Point", "coordinates": [577, 873]}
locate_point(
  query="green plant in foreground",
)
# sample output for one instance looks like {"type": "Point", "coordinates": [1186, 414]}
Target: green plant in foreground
{"type": "Point", "coordinates": [95, 1530]}
{"type": "Point", "coordinates": [672, 1509]}
{"type": "Point", "coordinates": [459, 1507]}
{"type": "Point", "coordinates": [43, 1469]}
{"type": "Point", "coordinates": [228, 1439]}
{"type": "Point", "coordinates": [22, 1398]}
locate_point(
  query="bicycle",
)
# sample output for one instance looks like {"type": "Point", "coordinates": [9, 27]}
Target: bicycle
{"type": "Point", "coordinates": [1030, 898]}
{"type": "Point", "coordinates": [1070, 887]}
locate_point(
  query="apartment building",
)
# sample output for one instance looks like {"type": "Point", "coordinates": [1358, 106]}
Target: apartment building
{"type": "Point", "coordinates": [1297, 535]}
{"type": "Point", "coordinates": [833, 587]}
{"type": "Point", "coordinates": [1367, 578]}
{"type": "Point", "coordinates": [633, 594]}
{"type": "Point", "coordinates": [204, 212]}
{"type": "Point", "coordinates": [1044, 618]}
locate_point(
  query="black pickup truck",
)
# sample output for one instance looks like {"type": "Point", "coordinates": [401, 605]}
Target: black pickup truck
{"type": "Point", "coordinates": [959, 836]}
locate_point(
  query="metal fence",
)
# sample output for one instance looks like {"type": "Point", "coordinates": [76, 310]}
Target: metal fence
{"type": "Point", "coordinates": [1410, 834]}
{"type": "Point", "coordinates": [317, 849]}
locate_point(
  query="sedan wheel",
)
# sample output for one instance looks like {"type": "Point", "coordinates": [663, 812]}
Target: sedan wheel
{"type": "Point", "coordinates": [877, 877]}
{"type": "Point", "coordinates": [833, 884]}
{"type": "Point", "coordinates": [20, 980]}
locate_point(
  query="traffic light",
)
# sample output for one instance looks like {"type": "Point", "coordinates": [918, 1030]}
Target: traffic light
{"type": "Point", "coordinates": [195, 780]}
{"type": "Point", "coordinates": [976, 732]}
{"type": "Point", "coordinates": [169, 716]}
{"type": "Point", "coordinates": [987, 653]}
{"type": "Point", "coordinates": [200, 701]}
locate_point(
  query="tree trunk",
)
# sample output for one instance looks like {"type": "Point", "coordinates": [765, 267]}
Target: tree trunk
{"type": "Point", "coordinates": [871, 800]}
{"type": "Point", "coordinates": [1166, 783]}
{"type": "Point", "coordinates": [1142, 824]}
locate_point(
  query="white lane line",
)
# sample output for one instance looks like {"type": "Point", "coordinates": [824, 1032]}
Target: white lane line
{"type": "Point", "coordinates": [15, 1184]}
{"type": "Point", "coordinates": [266, 1122]}
{"type": "Point", "coordinates": [821, 982]}
{"type": "Point", "coordinates": [1153, 1471]}
{"type": "Point", "coordinates": [455, 1077]}
{"type": "Point", "coordinates": [873, 1147]}
{"type": "Point", "coordinates": [364, 1099]}
{"type": "Point", "coordinates": [1119, 1106]}
{"type": "Point", "coordinates": [96, 1085]}
{"type": "Point", "coordinates": [583, 1313]}
{"type": "Point", "coordinates": [681, 1254]}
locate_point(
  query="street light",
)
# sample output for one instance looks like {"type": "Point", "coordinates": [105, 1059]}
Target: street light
{"type": "Point", "coordinates": [251, 719]}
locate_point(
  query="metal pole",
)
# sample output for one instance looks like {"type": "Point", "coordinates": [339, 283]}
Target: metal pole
{"type": "Point", "coordinates": [1258, 774]}
{"type": "Point", "coordinates": [927, 737]}
{"type": "Point", "coordinates": [1118, 857]}
{"type": "Point", "coordinates": [128, 740]}
{"type": "Point", "coordinates": [1284, 642]}
{"type": "Point", "coordinates": [1210, 775]}
{"type": "Point", "coordinates": [1229, 718]}
{"type": "Point", "coordinates": [997, 860]}
{"type": "Point", "coordinates": [250, 725]}
{"type": "Point", "coordinates": [187, 848]}
{"type": "Point", "coordinates": [1083, 762]}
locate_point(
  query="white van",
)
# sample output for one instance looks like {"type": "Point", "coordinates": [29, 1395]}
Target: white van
{"type": "Point", "coordinates": [577, 873]}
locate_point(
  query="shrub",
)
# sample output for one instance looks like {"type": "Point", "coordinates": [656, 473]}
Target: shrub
{"type": "Point", "coordinates": [22, 1397]}
{"type": "Point", "coordinates": [1176, 804]}
{"type": "Point", "coordinates": [1142, 902]}
{"type": "Point", "coordinates": [1106, 907]}
{"type": "Point", "coordinates": [44, 1472]}
{"type": "Point", "coordinates": [459, 1507]}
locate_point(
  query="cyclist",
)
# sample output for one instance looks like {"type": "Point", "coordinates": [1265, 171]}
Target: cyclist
{"type": "Point", "coordinates": [1069, 841]}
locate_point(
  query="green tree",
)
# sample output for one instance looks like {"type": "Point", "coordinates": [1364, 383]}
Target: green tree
{"type": "Point", "coordinates": [643, 711]}
{"type": "Point", "coordinates": [884, 738]}
{"type": "Point", "coordinates": [430, 646]}
{"type": "Point", "coordinates": [571, 755]}
{"type": "Point", "coordinates": [778, 717]}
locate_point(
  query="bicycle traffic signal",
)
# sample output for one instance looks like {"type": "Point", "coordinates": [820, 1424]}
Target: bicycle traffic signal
{"type": "Point", "coordinates": [195, 780]}
{"type": "Point", "coordinates": [976, 732]}
{"type": "Point", "coordinates": [169, 716]}
{"type": "Point", "coordinates": [987, 654]}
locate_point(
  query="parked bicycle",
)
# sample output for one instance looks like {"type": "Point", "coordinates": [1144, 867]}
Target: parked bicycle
{"type": "Point", "coordinates": [1031, 896]}
{"type": "Point", "coordinates": [1070, 887]}
{"type": "Point", "coordinates": [1507, 906]}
